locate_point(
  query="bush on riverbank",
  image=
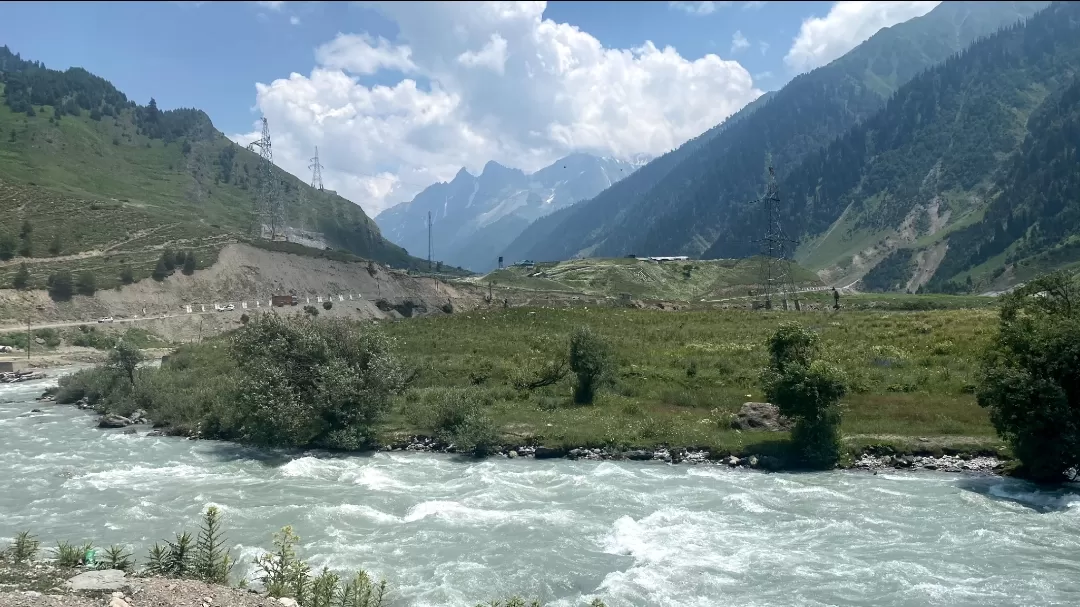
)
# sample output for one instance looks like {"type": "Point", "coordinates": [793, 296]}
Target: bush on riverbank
{"type": "Point", "coordinates": [808, 390]}
{"type": "Point", "coordinates": [283, 382]}
{"type": "Point", "coordinates": [1030, 379]}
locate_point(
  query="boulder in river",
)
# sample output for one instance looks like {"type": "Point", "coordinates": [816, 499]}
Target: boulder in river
{"type": "Point", "coordinates": [760, 416]}
{"type": "Point", "coordinates": [548, 452]}
{"type": "Point", "coordinates": [139, 417]}
{"type": "Point", "coordinates": [114, 421]}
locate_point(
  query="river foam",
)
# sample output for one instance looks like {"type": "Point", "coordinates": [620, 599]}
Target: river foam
{"type": "Point", "coordinates": [449, 531]}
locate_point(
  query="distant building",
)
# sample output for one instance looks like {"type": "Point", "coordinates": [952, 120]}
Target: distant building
{"type": "Point", "coordinates": [670, 258]}
{"type": "Point", "coordinates": [525, 263]}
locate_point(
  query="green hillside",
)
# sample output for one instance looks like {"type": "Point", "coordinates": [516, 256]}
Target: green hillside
{"type": "Point", "coordinates": [105, 184]}
{"type": "Point", "coordinates": [690, 201]}
{"type": "Point", "coordinates": [641, 278]}
{"type": "Point", "coordinates": [903, 196]}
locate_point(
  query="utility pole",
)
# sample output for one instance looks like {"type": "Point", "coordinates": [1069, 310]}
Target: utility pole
{"type": "Point", "coordinates": [28, 338]}
{"type": "Point", "coordinates": [269, 207]}
{"type": "Point", "coordinates": [316, 171]}
{"type": "Point", "coordinates": [775, 274]}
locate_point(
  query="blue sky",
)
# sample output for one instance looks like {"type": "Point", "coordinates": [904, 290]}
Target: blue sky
{"type": "Point", "coordinates": [387, 138]}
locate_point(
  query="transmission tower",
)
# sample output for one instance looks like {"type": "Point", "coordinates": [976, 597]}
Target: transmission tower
{"type": "Point", "coordinates": [269, 206]}
{"type": "Point", "coordinates": [429, 247]}
{"type": "Point", "coordinates": [316, 171]}
{"type": "Point", "coordinates": [775, 273]}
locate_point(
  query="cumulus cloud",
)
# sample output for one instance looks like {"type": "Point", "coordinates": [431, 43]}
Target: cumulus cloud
{"type": "Point", "coordinates": [274, 5]}
{"type": "Point", "coordinates": [294, 20]}
{"type": "Point", "coordinates": [739, 42]}
{"type": "Point", "coordinates": [697, 8]}
{"type": "Point", "coordinates": [848, 24]}
{"type": "Point", "coordinates": [502, 84]}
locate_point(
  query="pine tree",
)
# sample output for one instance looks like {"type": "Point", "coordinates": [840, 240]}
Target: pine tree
{"type": "Point", "coordinates": [189, 263]}
{"type": "Point", "coordinates": [22, 277]}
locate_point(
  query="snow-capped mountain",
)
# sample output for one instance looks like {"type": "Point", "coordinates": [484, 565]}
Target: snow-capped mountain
{"type": "Point", "coordinates": [475, 217]}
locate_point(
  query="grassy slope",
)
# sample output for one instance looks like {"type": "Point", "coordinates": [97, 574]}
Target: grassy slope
{"type": "Point", "coordinates": [117, 198]}
{"type": "Point", "coordinates": [678, 280]}
{"type": "Point", "coordinates": [681, 373]}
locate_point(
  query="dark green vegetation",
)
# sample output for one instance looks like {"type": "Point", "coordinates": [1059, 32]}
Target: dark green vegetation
{"type": "Point", "coordinates": [1030, 379]}
{"type": "Point", "coordinates": [694, 200]}
{"type": "Point", "coordinates": [503, 376]}
{"type": "Point", "coordinates": [642, 279]}
{"type": "Point", "coordinates": [281, 572]}
{"type": "Point", "coordinates": [276, 382]}
{"type": "Point", "coordinates": [90, 181]}
{"type": "Point", "coordinates": [807, 390]}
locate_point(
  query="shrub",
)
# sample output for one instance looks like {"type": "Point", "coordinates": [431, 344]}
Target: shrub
{"type": "Point", "coordinates": [22, 277]}
{"type": "Point", "coordinates": [333, 400]}
{"type": "Point", "coordinates": [117, 557]}
{"type": "Point", "coordinates": [212, 562]}
{"type": "Point", "coordinates": [590, 360]}
{"type": "Point", "coordinates": [283, 574]}
{"type": "Point", "coordinates": [459, 419]}
{"type": "Point", "coordinates": [311, 311]}
{"type": "Point", "coordinates": [86, 284]}
{"type": "Point", "coordinates": [67, 554]}
{"type": "Point", "coordinates": [326, 305]}
{"type": "Point", "coordinates": [61, 286]}
{"type": "Point", "coordinates": [24, 548]}
{"type": "Point", "coordinates": [1029, 377]}
{"type": "Point", "coordinates": [7, 247]}
{"type": "Point", "coordinates": [161, 271]}
{"type": "Point", "coordinates": [189, 264]}
{"type": "Point", "coordinates": [806, 390]}
{"type": "Point", "coordinates": [244, 318]}
{"type": "Point", "coordinates": [126, 275]}
{"type": "Point", "coordinates": [124, 359]}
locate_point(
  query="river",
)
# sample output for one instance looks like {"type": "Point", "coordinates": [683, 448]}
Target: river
{"type": "Point", "coordinates": [447, 531]}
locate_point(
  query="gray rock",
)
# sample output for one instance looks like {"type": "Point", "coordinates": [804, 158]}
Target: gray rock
{"type": "Point", "coordinates": [139, 417]}
{"type": "Point", "coordinates": [638, 455]}
{"type": "Point", "coordinates": [760, 416]}
{"type": "Point", "coordinates": [36, 411]}
{"type": "Point", "coordinates": [753, 461]}
{"type": "Point", "coordinates": [733, 461]}
{"type": "Point", "coordinates": [512, 454]}
{"type": "Point", "coordinates": [547, 453]}
{"type": "Point", "coordinates": [114, 421]}
{"type": "Point", "coordinates": [106, 580]}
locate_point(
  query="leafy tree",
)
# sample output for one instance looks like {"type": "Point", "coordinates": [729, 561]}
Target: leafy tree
{"type": "Point", "coordinates": [7, 247]}
{"type": "Point", "coordinates": [333, 400]}
{"type": "Point", "coordinates": [806, 390]}
{"type": "Point", "coordinates": [60, 285]}
{"type": "Point", "coordinates": [326, 305]}
{"type": "Point", "coordinates": [22, 277]}
{"type": "Point", "coordinates": [591, 361]}
{"type": "Point", "coordinates": [86, 284]}
{"type": "Point", "coordinates": [12, 136]}
{"type": "Point", "coordinates": [1030, 376]}
{"type": "Point", "coordinates": [189, 263]}
{"type": "Point", "coordinates": [26, 229]}
{"type": "Point", "coordinates": [169, 259]}
{"type": "Point", "coordinates": [161, 271]}
{"type": "Point", "coordinates": [123, 359]}
{"type": "Point", "coordinates": [126, 275]}
{"type": "Point", "coordinates": [179, 259]}
{"type": "Point", "coordinates": [311, 311]}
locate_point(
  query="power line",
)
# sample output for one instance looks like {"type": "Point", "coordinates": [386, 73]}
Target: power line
{"type": "Point", "coordinates": [775, 274]}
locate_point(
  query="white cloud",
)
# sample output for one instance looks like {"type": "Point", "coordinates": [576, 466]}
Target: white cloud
{"type": "Point", "coordinates": [753, 4]}
{"type": "Point", "coordinates": [294, 20]}
{"type": "Point", "coordinates": [502, 84]}
{"type": "Point", "coordinates": [698, 8]}
{"type": "Point", "coordinates": [362, 54]}
{"type": "Point", "coordinates": [739, 42]}
{"type": "Point", "coordinates": [848, 24]}
{"type": "Point", "coordinates": [274, 5]}
{"type": "Point", "coordinates": [764, 46]}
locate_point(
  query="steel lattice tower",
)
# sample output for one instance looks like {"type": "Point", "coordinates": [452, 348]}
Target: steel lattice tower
{"type": "Point", "coordinates": [316, 171]}
{"type": "Point", "coordinates": [775, 272]}
{"type": "Point", "coordinates": [269, 206]}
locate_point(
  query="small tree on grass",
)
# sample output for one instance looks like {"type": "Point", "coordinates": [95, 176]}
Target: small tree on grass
{"type": "Point", "coordinates": [806, 390]}
{"type": "Point", "coordinates": [61, 286]}
{"type": "Point", "coordinates": [311, 311]}
{"type": "Point", "coordinates": [168, 259]}
{"type": "Point", "coordinates": [326, 305]}
{"type": "Point", "coordinates": [161, 271]}
{"type": "Point", "coordinates": [1030, 377]}
{"type": "Point", "coordinates": [7, 247]}
{"type": "Point", "coordinates": [126, 275]}
{"type": "Point", "coordinates": [86, 284]}
{"type": "Point", "coordinates": [22, 277]}
{"type": "Point", "coordinates": [124, 358]}
{"type": "Point", "coordinates": [55, 247]}
{"type": "Point", "coordinates": [590, 360]}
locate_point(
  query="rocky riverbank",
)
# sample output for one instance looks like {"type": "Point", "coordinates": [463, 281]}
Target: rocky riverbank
{"type": "Point", "coordinates": [870, 459]}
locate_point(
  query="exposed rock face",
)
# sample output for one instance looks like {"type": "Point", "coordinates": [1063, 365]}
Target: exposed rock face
{"type": "Point", "coordinates": [760, 416]}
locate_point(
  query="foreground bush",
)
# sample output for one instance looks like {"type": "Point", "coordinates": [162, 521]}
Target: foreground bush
{"type": "Point", "coordinates": [1030, 377]}
{"type": "Point", "coordinates": [281, 382]}
{"type": "Point", "coordinates": [806, 390]}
